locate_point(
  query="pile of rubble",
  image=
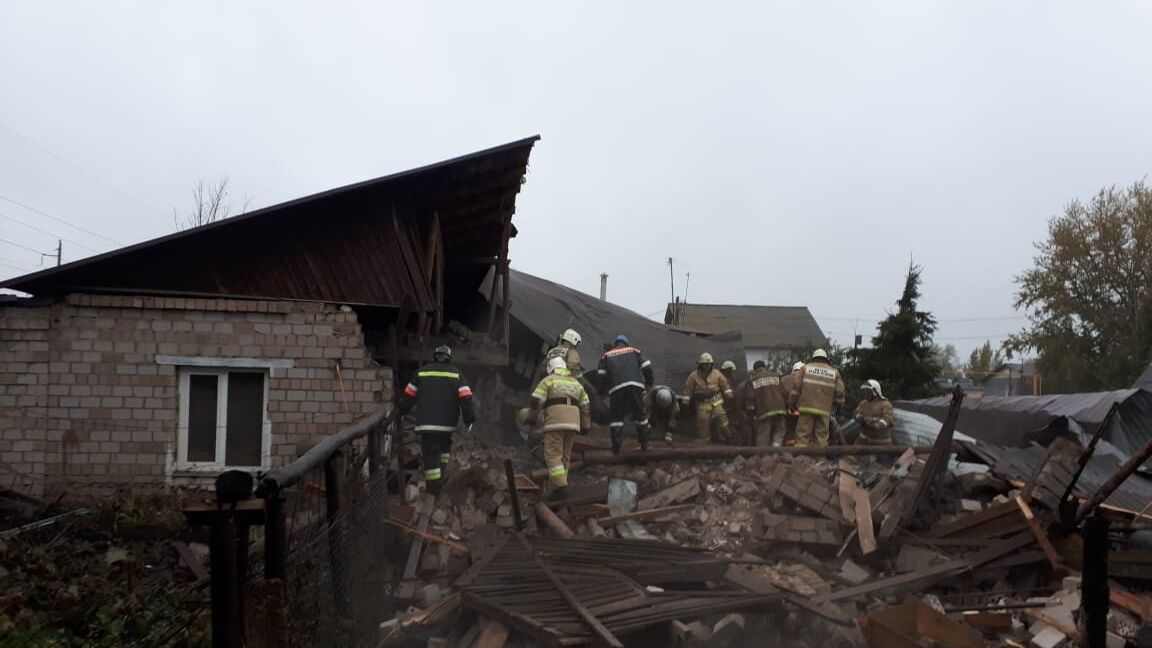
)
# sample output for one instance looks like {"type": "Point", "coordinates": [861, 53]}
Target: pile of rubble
{"type": "Point", "coordinates": [858, 549]}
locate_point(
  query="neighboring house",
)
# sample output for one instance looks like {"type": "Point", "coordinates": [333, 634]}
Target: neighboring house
{"type": "Point", "coordinates": [775, 334]}
{"type": "Point", "coordinates": [240, 343]}
{"type": "Point", "coordinates": [1013, 379]}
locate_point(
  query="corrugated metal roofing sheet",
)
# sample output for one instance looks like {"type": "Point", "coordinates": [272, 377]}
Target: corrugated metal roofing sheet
{"type": "Point", "coordinates": [760, 326]}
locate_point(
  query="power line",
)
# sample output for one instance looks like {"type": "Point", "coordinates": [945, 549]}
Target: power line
{"type": "Point", "coordinates": [22, 247]}
{"type": "Point", "coordinates": [58, 219]}
{"type": "Point", "coordinates": [77, 167]}
{"type": "Point", "coordinates": [14, 266]}
{"type": "Point", "coordinates": [44, 231]}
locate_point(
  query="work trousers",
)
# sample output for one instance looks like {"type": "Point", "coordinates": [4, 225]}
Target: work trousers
{"type": "Point", "coordinates": [706, 413]}
{"type": "Point", "coordinates": [770, 431]}
{"type": "Point", "coordinates": [811, 430]}
{"type": "Point", "coordinates": [558, 455]}
{"type": "Point", "coordinates": [628, 403]}
{"type": "Point", "coordinates": [435, 453]}
{"type": "Point", "coordinates": [663, 423]}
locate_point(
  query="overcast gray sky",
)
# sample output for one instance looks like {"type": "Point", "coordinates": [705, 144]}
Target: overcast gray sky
{"type": "Point", "coordinates": [783, 153]}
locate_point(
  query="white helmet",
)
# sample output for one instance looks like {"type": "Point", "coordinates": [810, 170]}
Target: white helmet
{"type": "Point", "coordinates": [571, 337]}
{"type": "Point", "coordinates": [797, 366]}
{"type": "Point", "coordinates": [820, 353]}
{"type": "Point", "coordinates": [556, 364]}
{"type": "Point", "coordinates": [874, 385]}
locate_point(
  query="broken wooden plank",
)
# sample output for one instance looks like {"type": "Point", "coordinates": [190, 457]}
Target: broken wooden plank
{"type": "Point", "coordinates": [1069, 631]}
{"type": "Point", "coordinates": [974, 519]}
{"type": "Point", "coordinates": [846, 483]}
{"type": "Point", "coordinates": [864, 530]}
{"type": "Point", "coordinates": [594, 624]}
{"type": "Point", "coordinates": [672, 494]}
{"type": "Point", "coordinates": [705, 453]}
{"type": "Point", "coordinates": [456, 547]}
{"type": "Point", "coordinates": [1038, 531]}
{"type": "Point", "coordinates": [408, 587]}
{"type": "Point", "coordinates": [1134, 462]}
{"type": "Point", "coordinates": [645, 515]}
{"type": "Point", "coordinates": [991, 622]}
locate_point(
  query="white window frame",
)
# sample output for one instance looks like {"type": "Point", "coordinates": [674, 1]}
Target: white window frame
{"type": "Point", "coordinates": [221, 373]}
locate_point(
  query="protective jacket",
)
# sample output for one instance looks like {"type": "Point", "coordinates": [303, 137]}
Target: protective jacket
{"type": "Point", "coordinates": [625, 366]}
{"type": "Point", "coordinates": [441, 396]}
{"type": "Point", "coordinates": [767, 393]}
{"type": "Point", "coordinates": [876, 417]}
{"type": "Point", "coordinates": [713, 386]}
{"type": "Point", "coordinates": [571, 358]}
{"type": "Point", "coordinates": [817, 389]}
{"type": "Point", "coordinates": [564, 402]}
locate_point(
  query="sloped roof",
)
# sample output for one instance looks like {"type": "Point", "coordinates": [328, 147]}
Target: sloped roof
{"type": "Point", "coordinates": [547, 308]}
{"type": "Point", "coordinates": [761, 326]}
{"type": "Point", "coordinates": [364, 243]}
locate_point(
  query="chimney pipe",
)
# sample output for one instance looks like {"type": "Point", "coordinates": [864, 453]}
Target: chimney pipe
{"type": "Point", "coordinates": [603, 286]}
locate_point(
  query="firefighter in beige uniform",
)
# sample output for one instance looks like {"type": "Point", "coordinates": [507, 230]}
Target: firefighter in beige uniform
{"type": "Point", "coordinates": [815, 392]}
{"type": "Point", "coordinates": [768, 398]}
{"type": "Point", "coordinates": [708, 388]}
{"type": "Point", "coordinates": [875, 416]}
{"type": "Point", "coordinates": [563, 407]}
{"type": "Point", "coordinates": [566, 348]}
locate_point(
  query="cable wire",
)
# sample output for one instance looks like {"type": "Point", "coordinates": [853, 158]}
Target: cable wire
{"type": "Point", "coordinates": [58, 219]}
{"type": "Point", "coordinates": [22, 247]}
{"type": "Point", "coordinates": [44, 231]}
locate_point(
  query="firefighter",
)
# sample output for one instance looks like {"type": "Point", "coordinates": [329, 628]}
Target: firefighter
{"type": "Point", "coordinates": [626, 373]}
{"type": "Point", "coordinates": [816, 391]}
{"type": "Point", "coordinates": [770, 406]}
{"type": "Point", "coordinates": [442, 397]}
{"type": "Point", "coordinates": [562, 406]}
{"type": "Point", "coordinates": [734, 406]}
{"type": "Point", "coordinates": [663, 408]}
{"type": "Point", "coordinates": [786, 385]}
{"type": "Point", "coordinates": [875, 416]}
{"type": "Point", "coordinates": [566, 348]}
{"type": "Point", "coordinates": [708, 388]}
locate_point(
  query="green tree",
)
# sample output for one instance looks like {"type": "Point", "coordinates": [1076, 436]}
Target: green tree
{"type": "Point", "coordinates": [1088, 295]}
{"type": "Point", "coordinates": [983, 361]}
{"type": "Point", "coordinates": [902, 357]}
{"type": "Point", "coordinates": [947, 359]}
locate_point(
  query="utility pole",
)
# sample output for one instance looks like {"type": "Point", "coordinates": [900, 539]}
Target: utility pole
{"type": "Point", "coordinates": [672, 283]}
{"type": "Point", "coordinates": [59, 253]}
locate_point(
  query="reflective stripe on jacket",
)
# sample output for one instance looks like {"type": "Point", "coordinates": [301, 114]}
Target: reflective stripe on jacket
{"type": "Point", "coordinates": [817, 389]}
{"type": "Point", "coordinates": [564, 401]}
{"type": "Point", "coordinates": [768, 394]}
{"type": "Point", "coordinates": [441, 397]}
{"type": "Point", "coordinates": [625, 367]}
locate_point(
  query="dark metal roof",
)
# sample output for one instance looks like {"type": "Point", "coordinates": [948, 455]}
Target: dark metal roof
{"type": "Point", "coordinates": [1145, 379]}
{"type": "Point", "coordinates": [364, 243]}
{"type": "Point", "coordinates": [547, 308]}
{"type": "Point", "coordinates": [761, 326]}
{"type": "Point", "coordinates": [1017, 421]}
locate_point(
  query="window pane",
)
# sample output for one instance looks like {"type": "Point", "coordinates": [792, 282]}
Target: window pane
{"type": "Point", "coordinates": [245, 418]}
{"type": "Point", "coordinates": [201, 418]}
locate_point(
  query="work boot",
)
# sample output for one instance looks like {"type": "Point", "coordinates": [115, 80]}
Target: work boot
{"type": "Point", "coordinates": [617, 440]}
{"type": "Point", "coordinates": [642, 435]}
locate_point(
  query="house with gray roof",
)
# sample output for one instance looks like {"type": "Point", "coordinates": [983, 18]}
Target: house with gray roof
{"type": "Point", "coordinates": [775, 334]}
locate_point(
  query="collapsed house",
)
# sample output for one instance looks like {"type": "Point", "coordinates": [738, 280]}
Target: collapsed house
{"type": "Point", "coordinates": [240, 343]}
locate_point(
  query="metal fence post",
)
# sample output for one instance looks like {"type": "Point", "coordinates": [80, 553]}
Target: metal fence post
{"type": "Point", "coordinates": [333, 495]}
{"type": "Point", "coordinates": [225, 584]}
{"type": "Point", "coordinates": [275, 536]}
{"type": "Point", "coordinates": [1094, 587]}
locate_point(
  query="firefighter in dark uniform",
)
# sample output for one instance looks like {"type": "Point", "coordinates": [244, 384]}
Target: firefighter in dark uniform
{"type": "Point", "coordinates": [626, 373]}
{"type": "Point", "coordinates": [442, 397]}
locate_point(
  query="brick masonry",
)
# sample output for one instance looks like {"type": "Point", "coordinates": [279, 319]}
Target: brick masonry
{"type": "Point", "coordinates": [86, 408]}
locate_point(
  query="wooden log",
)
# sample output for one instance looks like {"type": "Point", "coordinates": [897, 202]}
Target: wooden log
{"type": "Point", "coordinates": [731, 452]}
{"type": "Point", "coordinates": [595, 528]}
{"type": "Point", "coordinates": [493, 634]}
{"type": "Point", "coordinates": [646, 514]}
{"type": "Point", "coordinates": [864, 530]}
{"type": "Point", "coordinates": [545, 515]}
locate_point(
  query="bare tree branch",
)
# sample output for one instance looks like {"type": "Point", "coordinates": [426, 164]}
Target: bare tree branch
{"type": "Point", "coordinates": [210, 203]}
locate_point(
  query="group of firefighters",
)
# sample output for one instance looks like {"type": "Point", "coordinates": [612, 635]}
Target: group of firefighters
{"type": "Point", "coordinates": [771, 410]}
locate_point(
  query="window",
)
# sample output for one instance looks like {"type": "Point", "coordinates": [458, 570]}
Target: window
{"type": "Point", "coordinates": [223, 419]}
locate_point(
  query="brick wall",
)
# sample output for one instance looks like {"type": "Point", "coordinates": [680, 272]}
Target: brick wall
{"type": "Point", "coordinates": [86, 407]}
